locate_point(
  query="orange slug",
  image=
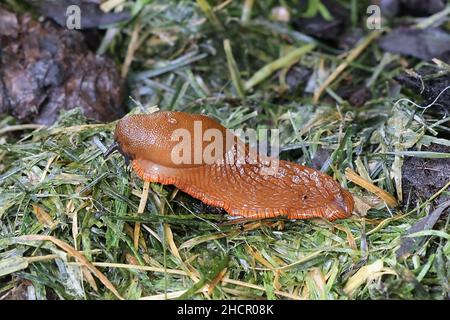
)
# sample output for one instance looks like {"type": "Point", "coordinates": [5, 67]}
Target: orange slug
{"type": "Point", "coordinates": [176, 148]}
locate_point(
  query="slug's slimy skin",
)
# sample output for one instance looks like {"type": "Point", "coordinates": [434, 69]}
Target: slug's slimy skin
{"type": "Point", "coordinates": [240, 187]}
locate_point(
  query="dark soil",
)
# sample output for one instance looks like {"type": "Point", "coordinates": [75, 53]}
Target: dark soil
{"type": "Point", "coordinates": [422, 178]}
{"type": "Point", "coordinates": [429, 89]}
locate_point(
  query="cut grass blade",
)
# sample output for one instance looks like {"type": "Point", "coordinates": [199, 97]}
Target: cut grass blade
{"type": "Point", "coordinates": [280, 63]}
{"type": "Point", "coordinates": [355, 178]}
{"type": "Point", "coordinates": [350, 58]}
{"type": "Point", "coordinates": [233, 69]}
{"type": "Point", "coordinates": [80, 257]}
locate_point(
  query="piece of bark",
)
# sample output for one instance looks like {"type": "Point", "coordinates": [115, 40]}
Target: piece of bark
{"type": "Point", "coordinates": [46, 69]}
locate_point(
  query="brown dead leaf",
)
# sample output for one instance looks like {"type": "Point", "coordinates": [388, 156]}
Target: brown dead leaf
{"type": "Point", "coordinates": [43, 217]}
{"type": "Point", "coordinates": [363, 183]}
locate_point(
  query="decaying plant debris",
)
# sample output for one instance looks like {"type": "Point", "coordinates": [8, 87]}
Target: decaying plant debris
{"type": "Point", "coordinates": [45, 69]}
{"type": "Point", "coordinates": [67, 215]}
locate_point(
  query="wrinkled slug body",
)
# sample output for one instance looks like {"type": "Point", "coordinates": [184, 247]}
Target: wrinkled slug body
{"type": "Point", "coordinates": [175, 148]}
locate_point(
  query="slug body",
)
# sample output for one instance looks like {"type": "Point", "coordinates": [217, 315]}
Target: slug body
{"type": "Point", "coordinates": [231, 176]}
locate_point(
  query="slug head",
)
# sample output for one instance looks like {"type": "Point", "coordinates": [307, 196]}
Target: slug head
{"type": "Point", "coordinates": [162, 136]}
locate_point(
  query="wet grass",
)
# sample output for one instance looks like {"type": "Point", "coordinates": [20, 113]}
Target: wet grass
{"type": "Point", "coordinates": [67, 215]}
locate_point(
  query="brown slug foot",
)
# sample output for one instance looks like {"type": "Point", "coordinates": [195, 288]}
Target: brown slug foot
{"type": "Point", "coordinates": [149, 172]}
{"type": "Point", "coordinates": [243, 192]}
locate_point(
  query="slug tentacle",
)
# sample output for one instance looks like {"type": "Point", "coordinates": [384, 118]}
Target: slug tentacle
{"type": "Point", "coordinates": [112, 148]}
{"type": "Point", "coordinates": [241, 188]}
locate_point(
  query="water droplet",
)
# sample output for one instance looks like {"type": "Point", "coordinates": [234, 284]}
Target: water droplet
{"type": "Point", "coordinates": [173, 121]}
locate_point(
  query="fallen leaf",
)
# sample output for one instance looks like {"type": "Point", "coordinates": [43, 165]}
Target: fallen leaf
{"type": "Point", "coordinates": [408, 245]}
{"type": "Point", "coordinates": [357, 179]}
{"type": "Point", "coordinates": [43, 217]}
{"type": "Point", "coordinates": [423, 44]}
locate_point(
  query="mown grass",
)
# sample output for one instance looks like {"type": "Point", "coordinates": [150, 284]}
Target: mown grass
{"type": "Point", "coordinates": [55, 182]}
